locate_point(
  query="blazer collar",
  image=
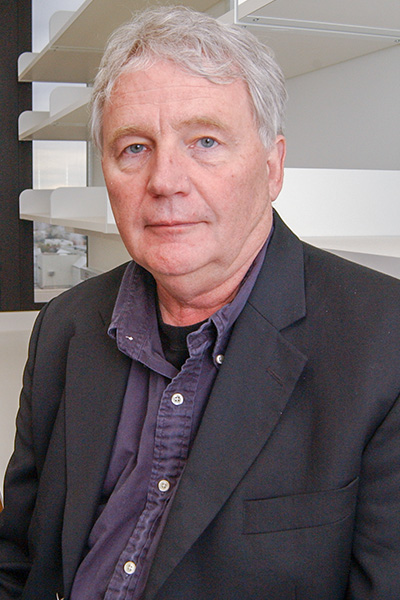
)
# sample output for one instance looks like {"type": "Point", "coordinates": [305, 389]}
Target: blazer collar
{"type": "Point", "coordinates": [256, 380]}
{"type": "Point", "coordinates": [279, 293]}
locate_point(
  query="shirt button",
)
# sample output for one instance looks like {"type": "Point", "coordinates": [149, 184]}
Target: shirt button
{"type": "Point", "coordinates": [177, 399]}
{"type": "Point", "coordinates": [164, 485]}
{"type": "Point", "coordinates": [219, 359]}
{"type": "Point", "coordinates": [129, 567]}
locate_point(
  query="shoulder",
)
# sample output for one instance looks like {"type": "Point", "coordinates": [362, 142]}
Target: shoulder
{"type": "Point", "coordinates": [88, 303]}
{"type": "Point", "coordinates": [345, 282]}
{"type": "Point", "coordinates": [328, 275]}
{"type": "Point", "coordinates": [353, 316]}
{"type": "Point", "coordinates": [94, 290]}
{"type": "Point", "coordinates": [85, 309]}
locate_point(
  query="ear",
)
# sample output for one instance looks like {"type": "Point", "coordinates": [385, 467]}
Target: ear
{"type": "Point", "coordinates": [275, 162]}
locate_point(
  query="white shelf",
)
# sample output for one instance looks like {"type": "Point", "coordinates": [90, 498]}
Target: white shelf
{"type": "Point", "coordinates": [388, 245]}
{"type": "Point", "coordinates": [67, 118]}
{"type": "Point", "coordinates": [75, 49]}
{"type": "Point", "coordinates": [86, 209]}
{"type": "Point", "coordinates": [34, 205]}
{"type": "Point", "coordinates": [309, 35]}
{"type": "Point", "coordinates": [301, 51]}
{"type": "Point", "coordinates": [357, 15]}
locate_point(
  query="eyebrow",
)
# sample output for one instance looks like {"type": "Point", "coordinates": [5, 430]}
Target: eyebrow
{"type": "Point", "coordinates": [203, 121]}
{"type": "Point", "coordinates": [125, 131]}
{"type": "Point", "coordinates": [136, 130]}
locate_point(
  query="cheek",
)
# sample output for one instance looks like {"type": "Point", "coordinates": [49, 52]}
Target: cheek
{"type": "Point", "coordinates": [124, 195]}
{"type": "Point", "coordinates": [116, 200]}
{"type": "Point", "coordinates": [124, 213]}
{"type": "Point", "coordinates": [248, 204]}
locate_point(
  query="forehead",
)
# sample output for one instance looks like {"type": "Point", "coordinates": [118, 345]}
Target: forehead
{"type": "Point", "coordinates": [167, 87]}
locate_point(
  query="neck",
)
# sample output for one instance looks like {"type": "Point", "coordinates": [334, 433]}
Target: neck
{"type": "Point", "coordinates": [182, 312]}
{"type": "Point", "coordinates": [182, 303]}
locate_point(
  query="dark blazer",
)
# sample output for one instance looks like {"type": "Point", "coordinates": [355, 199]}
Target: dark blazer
{"type": "Point", "coordinates": [292, 487]}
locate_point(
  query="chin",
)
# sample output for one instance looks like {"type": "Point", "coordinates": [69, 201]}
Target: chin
{"type": "Point", "coordinates": [172, 268]}
{"type": "Point", "coordinates": [169, 262]}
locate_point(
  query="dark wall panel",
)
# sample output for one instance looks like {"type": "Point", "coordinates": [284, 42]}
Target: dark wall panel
{"type": "Point", "coordinates": [16, 245]}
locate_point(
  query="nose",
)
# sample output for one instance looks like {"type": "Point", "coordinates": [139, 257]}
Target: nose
{"type": "Point", "coordinates": [168, 174]}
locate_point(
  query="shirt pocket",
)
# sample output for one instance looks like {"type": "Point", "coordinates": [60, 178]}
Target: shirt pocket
{"type": "Point", "coordinates": [299, 511]}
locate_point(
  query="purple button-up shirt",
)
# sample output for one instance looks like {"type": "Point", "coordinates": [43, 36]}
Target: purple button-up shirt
{"type": "Point", "coordinates": [160, 416]}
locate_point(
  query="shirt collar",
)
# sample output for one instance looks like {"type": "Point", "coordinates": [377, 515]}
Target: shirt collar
{"type": "Point", "coordinates": [134, 319]}
{"type": "Point", "coordinates": [226, 316]}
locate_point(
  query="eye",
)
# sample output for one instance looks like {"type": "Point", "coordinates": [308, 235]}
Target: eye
{"type": "Point", "coordinates": [135, 148]}
{"type": "Point", "coordinates": [207, 142]}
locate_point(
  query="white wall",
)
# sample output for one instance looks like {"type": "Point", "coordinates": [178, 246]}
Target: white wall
{"type": "Point", "coordinates": [347, 115]}
{"type": "Point", "coordinates": [15, 330]}
{"type": "Point", "coordinates": [341, 202]}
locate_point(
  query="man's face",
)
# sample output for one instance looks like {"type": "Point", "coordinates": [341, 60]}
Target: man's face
{"type": "Point", "coordinates": [189, 181]}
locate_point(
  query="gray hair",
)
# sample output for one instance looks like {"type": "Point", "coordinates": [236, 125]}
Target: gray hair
{"type": "Point", "coordinates": [202, 46]}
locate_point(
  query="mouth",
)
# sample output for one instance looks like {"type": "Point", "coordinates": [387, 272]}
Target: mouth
{"type": "Point", "coordinates": [171, 225]}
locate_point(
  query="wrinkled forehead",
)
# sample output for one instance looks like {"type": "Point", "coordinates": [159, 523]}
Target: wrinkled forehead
{"type": "Point", "coordinates": [166, 96]}
{"type": "Point", "coordinates": [167, 81]}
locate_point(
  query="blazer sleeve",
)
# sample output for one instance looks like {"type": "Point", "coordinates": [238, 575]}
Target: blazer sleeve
{"type": "Point", "coordinates": [20, 490]}
{"type": "Point", "coordinates": [375, 567]}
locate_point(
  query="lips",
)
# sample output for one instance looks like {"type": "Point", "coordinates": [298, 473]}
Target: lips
{"type": "Point", "coordinates": [172, 224]}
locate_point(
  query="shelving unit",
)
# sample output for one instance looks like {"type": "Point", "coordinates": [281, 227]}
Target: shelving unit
{"type": "Point", "coordinates": [67, 118]}
{"type": "Point", "coordinates": [83, 209]}
{"type": "Point", "coordinates": [340, 31]}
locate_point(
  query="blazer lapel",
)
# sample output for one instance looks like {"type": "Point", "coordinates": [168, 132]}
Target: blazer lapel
{"type": "Point", "coordinates": [95, 385]}
{"type": "Point", "coordinates": [251, 391]}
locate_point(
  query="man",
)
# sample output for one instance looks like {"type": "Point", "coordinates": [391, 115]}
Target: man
{"type": "Point", "coordinates": [219, 418]}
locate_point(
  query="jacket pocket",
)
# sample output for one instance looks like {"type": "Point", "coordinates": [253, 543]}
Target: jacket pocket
{"type": "Point", "coordinates": [299, 511]}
